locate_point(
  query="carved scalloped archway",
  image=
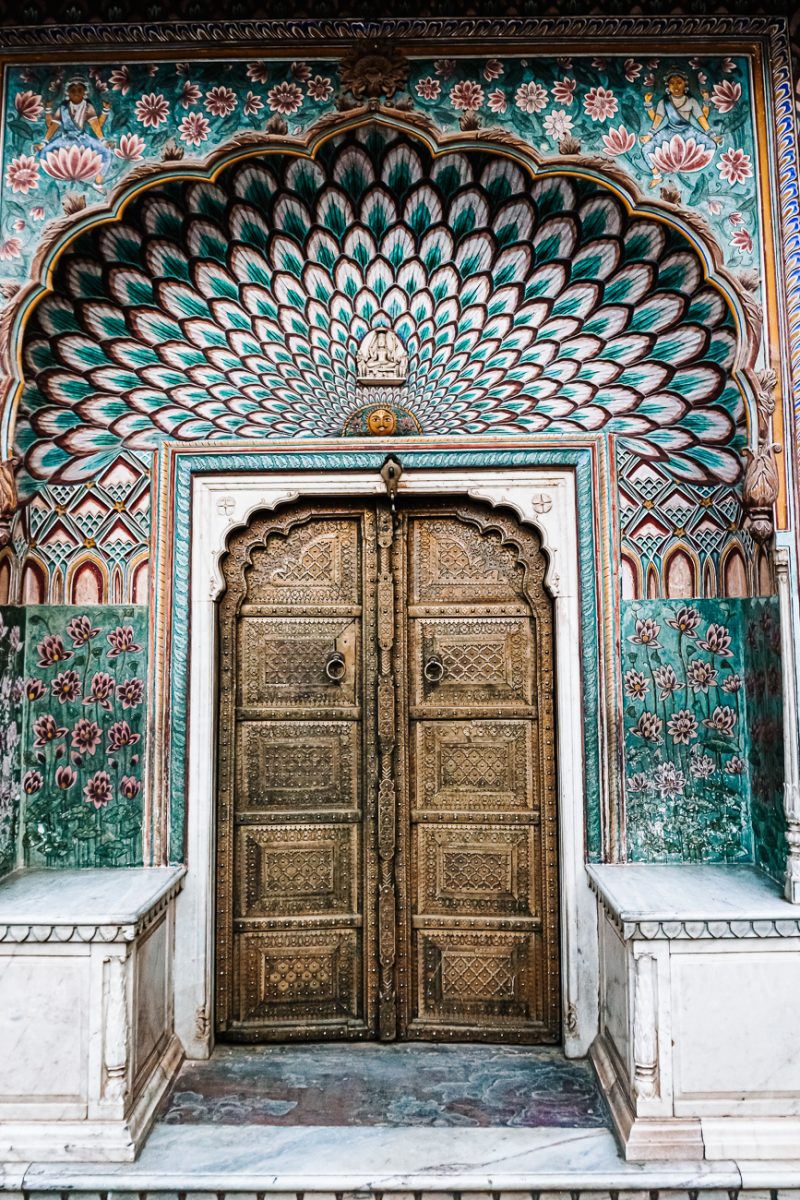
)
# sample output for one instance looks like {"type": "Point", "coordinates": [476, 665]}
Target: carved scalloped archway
{"type": "Point", "coordinates": [235, 308]}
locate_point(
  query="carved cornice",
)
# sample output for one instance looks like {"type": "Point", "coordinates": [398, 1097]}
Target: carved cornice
{"type": "Point", "coordinates": [322, 32]}
{"type": "Point", "coordinates": [62, 933]}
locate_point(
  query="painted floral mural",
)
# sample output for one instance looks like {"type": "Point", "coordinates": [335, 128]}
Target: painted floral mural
{"type": "Point", "coordinates": [84, 729]}
{"type": "Point", "coordinates": [12, 625]}
{"type": "Point", "coordinates": [687, 754]}
{"type": "Point", "coordinates": [680, 128]}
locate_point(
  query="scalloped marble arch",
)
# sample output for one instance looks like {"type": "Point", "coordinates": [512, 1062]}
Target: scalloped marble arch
{"type": "Point", "coordinates": [255, 148]}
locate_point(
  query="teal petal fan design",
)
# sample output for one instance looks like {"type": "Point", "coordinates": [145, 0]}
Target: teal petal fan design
{"type": "Point", "coordinates": [236, 309]}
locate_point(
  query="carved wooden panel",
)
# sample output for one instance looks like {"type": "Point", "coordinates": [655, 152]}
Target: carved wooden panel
{"type": "Point", "coordinates": [477, 766]}
{"type": "Point", "coordinates": [308, 765]}
{"type": "Point", "coordinates": [284, 977]}
{"type": "Point", "coordinates": [283, 662]}
{"type": "Point", "coordinates": [471, 978]}
{"type": "Point", "coordinates": [296, 870]}
{"type": "Point", "coordinates": [486, 664]}
{"type": "Point", "coordinates": [316, 566]}
{"type": "Point", "coordinates": [466, 870]}
{"type": "Point", "coordinates": [452, 563]}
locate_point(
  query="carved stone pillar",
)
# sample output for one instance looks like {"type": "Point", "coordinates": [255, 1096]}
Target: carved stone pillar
{"type": "Point", "coordinates": [645, 1028]}
{"type": "Point", "coordinates": [115, 1040]}
{"type": "Point", "coordinates": [791, 767]}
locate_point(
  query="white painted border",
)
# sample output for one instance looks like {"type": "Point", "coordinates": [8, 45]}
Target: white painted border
{"type": "Point", "coordinates": [220, 504]}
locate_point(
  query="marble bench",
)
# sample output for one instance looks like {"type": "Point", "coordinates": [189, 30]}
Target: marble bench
{"type": "Point", "coordinates": [87, 1044]}
{"type": "Point", "coordinates": [699, 1044]}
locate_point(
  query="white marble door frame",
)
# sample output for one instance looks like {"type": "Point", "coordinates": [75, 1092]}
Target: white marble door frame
{"type": "Point", "coordinates": [543, 497]}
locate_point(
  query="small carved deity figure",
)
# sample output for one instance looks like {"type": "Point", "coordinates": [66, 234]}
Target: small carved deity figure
{"type": "Point", "coordinates": [382, 358]}
{"type": "Point", "coordinates": [76, 122]}
{"type": "Point", "coordinates": [381, 422]}
{"type": "Point", "coordinates": [678, 111]}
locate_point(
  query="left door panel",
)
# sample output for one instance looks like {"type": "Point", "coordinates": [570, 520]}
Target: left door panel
{"type": "Point", "coordinates": [294, 926]}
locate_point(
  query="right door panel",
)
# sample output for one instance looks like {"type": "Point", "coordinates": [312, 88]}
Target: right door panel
{"type": "Point", "coordinates": [482, 805]}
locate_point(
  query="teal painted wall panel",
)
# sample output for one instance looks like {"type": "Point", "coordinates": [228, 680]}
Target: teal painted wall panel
{"type": "Point", "coordinates": [762, 662]}
{"type": "Point", "coordinates": [84, 735]}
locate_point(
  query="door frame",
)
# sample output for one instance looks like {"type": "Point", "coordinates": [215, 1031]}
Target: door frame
{"type": "Point", "coordinates": [543, 496]}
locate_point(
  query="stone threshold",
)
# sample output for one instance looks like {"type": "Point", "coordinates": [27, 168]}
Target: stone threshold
{"type": "Point", "coordinates": [467, 1164]}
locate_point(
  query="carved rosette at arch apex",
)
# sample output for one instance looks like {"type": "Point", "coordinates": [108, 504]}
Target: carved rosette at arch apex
{"type": "Point", "coordinates": [558, 247]}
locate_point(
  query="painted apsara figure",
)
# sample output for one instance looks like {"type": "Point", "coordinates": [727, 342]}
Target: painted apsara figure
{"type": "Point", "coordinates": [678, 111]}
{"type": "Point", "coordinates": [75, 122]}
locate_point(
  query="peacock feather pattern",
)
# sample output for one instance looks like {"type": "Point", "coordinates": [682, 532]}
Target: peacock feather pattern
{"type": "Point", "coordinates": [235, 309]}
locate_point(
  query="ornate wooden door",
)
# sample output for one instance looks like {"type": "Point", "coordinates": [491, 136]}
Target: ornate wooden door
{"type": "Point", "coordinates": [387, 862]}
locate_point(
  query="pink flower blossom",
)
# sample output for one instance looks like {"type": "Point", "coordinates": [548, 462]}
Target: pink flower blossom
{"type": "Point", "coordinates": [121, 638]}
{"type": "Point", "coordinates": [10, 248]}
{"type": "Point", "coordinates": [130, 692]}
{"type": "Point", "coordinates": [220, 101]}
{"type": "Point", "coordinates": [98, 790]}
{"type": "Point", "coordinates": [429, 88]}
{"type": "Point", "coordinates": [319, 88]}
{"type": "Point", "coordinates": [86, 736]}
{"type": "Point", "coordinates": [531, 97]}
{"type": "Point", "coordinates": [735, 218]}
{"type": "Point", "coordinates": [285, 98]}
{"type": "Point", "coordinates": [130, 147]}
{"type": "Point", "coordinates": [29, 105]}
{"type": "Point", "coordinates": [679, 156]}
{"type": "Point", "coordinates": [466, 96]}
{"type": "Point", "coordinates": [19, 225]}
{"type": "Point", "coordinates": [120, 735]}
{"type": "Point", "coordinates": [599, 64]}
{"type": "Point", "coordinates": [714, 207]}
{"type": "Point", "coordinates": [728, 65]}
{"type": "Point", "coordinates": [633, 70]}
{"type": "Point", "coordinates": [190, 94]}
{"type": "Point", "coordinates": [34, 689]}
{"type": "Point", "coordinates": [497, 101]}
{"type": "Point", "coordinates": [742, 241]}
{"type": "Point", "coordinates": [51, 651]}
{"type": "Point", "coordinates": [300, 71]}
{"type": "Point", "coordinates": [564, 91]}
{"type": "Point", "coordinates": [252, 104]}
{"type": "Point", "coordinates": [726, 95]}
{"type": "Point", "coordinates": [618, 141]}
{"type": "Point", "coordinates": [493, 70]}
{"type": "Point", "coordinates": [80, 631]}
{"type": "Point", "coordinates": [22, 174]}
{"type": "Point", "coordinates": [120, 80]}
{"type": "Point", "coordinates": [600, 103]}
{"type": "Point", "coordinates": [47, 730]}
{"type": "Point", "coordinates": [258, 72]}
{"type": "Point", "coordinates": [130, 787]}
{"type": "Point", "coordinates": [445, 67]}
{"type": "Point", "coordinates": [734, 166]}
{"type": "Point", "coordinates": [101, 690]}
{"type": "Point", "coordinates": [152, 110]}
{"type": "Point", "coordinates": [37, 213]}
{"type": "Point", "coordinates": [558, 124]}
{"type": "Point", "coordinates": [65, 777]}
{"type": "Point", "coordinates": [66, 686]}
{"type": "Point", "coordinates": [193, 129]}
{"type": "Point", "coordinates": [32, 782]}
{"type": "Point", "coordinates": [73, 163]}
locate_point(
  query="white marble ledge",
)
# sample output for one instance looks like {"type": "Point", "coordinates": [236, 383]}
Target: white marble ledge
{"type": "Point", "coordinates": [712, 900]}
{"type": "Point", "coordinates": [95, 904]}
{"type": "Point", "coordinates": [219, 1158]}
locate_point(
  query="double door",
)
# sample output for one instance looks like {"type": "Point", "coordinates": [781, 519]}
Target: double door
{"type": "Point", "coordinates": [387, 862]}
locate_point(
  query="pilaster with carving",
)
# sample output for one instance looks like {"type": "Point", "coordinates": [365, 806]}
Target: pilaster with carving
{"type": "Point", "coordinates": [761, 480]}
{"type": "Point", "coordinates": [645, 1028]}
{"type": "Point", "coordinates": [791, 752]}
{"type": "Point", "coordinates": [116, 1030]}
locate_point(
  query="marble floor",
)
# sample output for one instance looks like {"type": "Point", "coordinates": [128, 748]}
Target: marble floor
{"type": "Point", "coordinates": [396, 1085]}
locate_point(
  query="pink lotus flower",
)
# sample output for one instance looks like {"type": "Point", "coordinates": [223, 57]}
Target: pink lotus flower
{"type": "Point", "coordinates": [10, 248]}
{"type": "Point", "coordinates": [564, 91]}
{"type": "Point", "coordinates": [557, 124]}
{"type": "Point", "coordinates": [152, 110]}
{"type": "Point", "coordinates": [320, 88]}
{"type": "Point", "coordinates": [22, 174]}
{"type": "Point", "coordinates": [120, 735]}
{"type": "Point", "coordinates": [66, 686]}
{"type": "Point", "coordinates": [193, 129]}
{"type": "Point", "coordinates": [726, 95]}
{"type": "Point", "coordinates": [120, 80]}
{"type": "Point", "coordinates": [86, 736]}
{"type": "Point", "coordinates": [497, 101]}
{"type": "Point", "coordinates": [493, 70]}
{"type": "Point", "coordinates": [98, 790]}
{"type": "Point", "coordinates": [445, 67]}
{"type": "Point", "coordinates": [130, 787]}
{"type": "Point", "coordinates": [735, 218]}
{"type": "Point", "coordinates": [600, 103]}
{"type": "Point", "coordinates": [51, 651]}
{"type": "Point", "coordinates": [714, 207]}
{"type": "Point", "coordinates": [34, 689]}
{"type": "Point", "coordinates": [618, 141]}
{"type": "Point", "coordinates": [47, 730]}
{"type": "Point", "coordinates": [130, 147]}
{"type": "Point", "coordinates": [29, 105]}
{"type": "Point", "coordinates": [32, 782]}
{"type": "Point", "coordinates": [742, 241]}
{"type": "Point", "coordinates": [679, 156]}
{"type": "Point", "coordinates": [531, 97]}
{"type": "Point", "coordinates": [633, 70]}
{"type": "Point", "coordinates": [728, 65]}
{"type": "Point", "coordinates": [37, 213]}
{"type": "Point", "coordinates": [190, 94]}
{"type": "Point", "coordinates": [429, 88]}
{"type": "Point", "coordinates": [735, 166]}
{"type": "Point", "coordinates": [130, 692]}
{"type": "Point", "coordinates": [722, 720]}
{"type": "Point", "coordinates": [258, 72]}
{"type": "Point", "coordinates": [466, 96]}
{"type": "Point", "coordinates": [121, 638]}
{"type": "Point", "coordinates": [101, 690]}
{"type": "Point", "coordinates": [220, 101]}
{"type": "Point", "coordinates": [73, 163]}
{"type": "Point", "coordinates": [65, 777]}
{"type": "Point", "coordinates": [19, 225]}
{"type": "Point", "coordinates": [285, 98]}
{"type": "Point", "coordinates": [252, 104]}
{"type": "Point", "coordinates": [81, 631]}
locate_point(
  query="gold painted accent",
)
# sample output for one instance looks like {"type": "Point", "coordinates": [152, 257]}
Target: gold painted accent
{"type": "Point", "coordinates": [381, 422]}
